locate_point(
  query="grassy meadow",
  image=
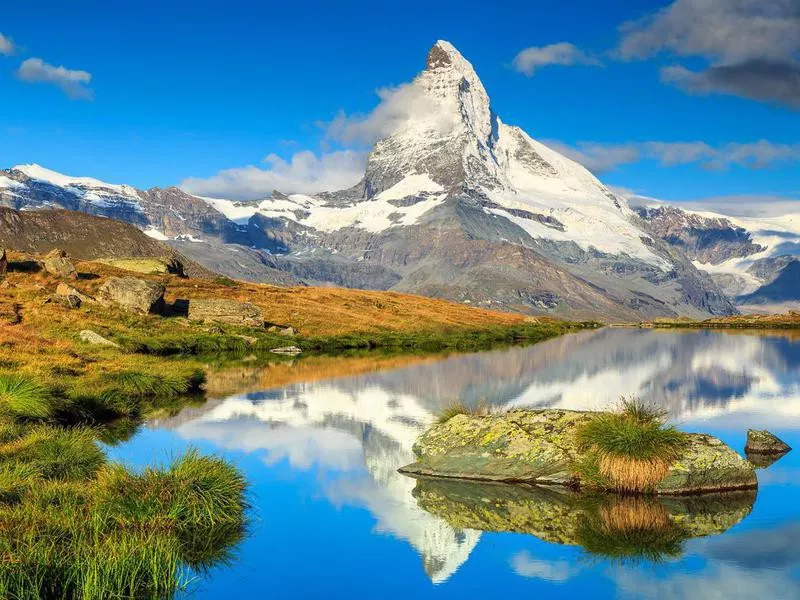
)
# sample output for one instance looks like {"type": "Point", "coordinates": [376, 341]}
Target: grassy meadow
{"type": "Point", "coordinates": [78, 526]}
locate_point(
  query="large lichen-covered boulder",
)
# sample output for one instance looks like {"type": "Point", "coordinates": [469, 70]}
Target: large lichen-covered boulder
{"type": "Point", "coordinates": [136, 295]}
{"type": "Point", "coordinates": [540, 446]}
{"type": "Point", "coordinates": [57, 263]}
{"type": "Point", "coordinates": [220, 310]}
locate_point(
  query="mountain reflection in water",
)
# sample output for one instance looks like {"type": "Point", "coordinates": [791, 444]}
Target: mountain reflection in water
{"type": "Point", "coordinates": [361, 416]}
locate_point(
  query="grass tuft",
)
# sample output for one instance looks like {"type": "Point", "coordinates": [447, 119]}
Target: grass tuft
{"type": "Point", "coordinates": [630, 450]}
{"type": "Point", "coordinates": [481, 409]}
{"type": "Point", "coordinates": [24, 398]}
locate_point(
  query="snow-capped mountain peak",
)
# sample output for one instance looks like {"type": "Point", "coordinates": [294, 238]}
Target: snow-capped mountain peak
{"type": "Point", "coordinates": [90, 188]}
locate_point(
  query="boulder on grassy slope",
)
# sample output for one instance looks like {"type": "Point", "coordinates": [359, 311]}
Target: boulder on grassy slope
{"type": "Point", "coordinates": [3, 262]}
{"type": "Point", "coordinates": [136, 295]}
{"type": "Point", "coordinates": [64, 289]}
{"type": "Point", "coordinates": [210, 310]}
{"type": "Point", "coordinates": [540, 446]}
{"type": "Point", "coordinates": [57, 263]}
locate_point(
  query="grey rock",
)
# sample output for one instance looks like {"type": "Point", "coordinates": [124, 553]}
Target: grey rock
{"type": "Point", "coordinates": [288, 331]}
{"type": "Point", "coordinates": [91, 337]}
{"type": "Point", "coordinates": [130, 293]}
{"type": "Point", "coordinates": [57, 263]}
{"type": "Point", "coordinates": [211, 310]}
{"type": "Point", "coordinates": [764, 442]}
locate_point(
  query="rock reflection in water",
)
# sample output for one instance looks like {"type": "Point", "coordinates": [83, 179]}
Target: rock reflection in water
{"type": "Point", "coordinates": [615, 527]}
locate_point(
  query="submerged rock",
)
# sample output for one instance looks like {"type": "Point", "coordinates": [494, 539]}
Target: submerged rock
{"type": "Point", "coordinates": [615, 526]}
{"type": "Point", "coordinates": [225, 311]}
{"type": "Point", "coordinates": [539, 446]}
{"type": "Point", "coordinates": [287, 350]}
{"type": "Point", "coordinates": [764, 442]}
{"type": "Point", "coordinates": [133, 294]}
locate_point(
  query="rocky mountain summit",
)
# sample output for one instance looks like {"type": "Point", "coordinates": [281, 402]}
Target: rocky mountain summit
{"type": "Point", "coordinates": [454, 203]}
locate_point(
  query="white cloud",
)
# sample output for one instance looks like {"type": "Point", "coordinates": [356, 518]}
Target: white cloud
{"type": "Point", "coordinates": [397, 106]}
{"type": "Point", "coordinates": [602, 157]}
{"type": "Point", "coordinates": [7, 46]}
{"type": "Point", "coordinates": [564, 54]}
{"type": "Point", "coordinates": [597, 157]}
{"type": "Point", "coordinates": [752, 46]}
{"type": "Point", "coordinates": [558, 571]}
{"type": "Point", "coordinates": [304, 173]}
{"type": "Point", "coordinates": [73, 83]}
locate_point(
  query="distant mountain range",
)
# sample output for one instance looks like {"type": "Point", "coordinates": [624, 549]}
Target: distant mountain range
{"type": "Point", "coordinates": [454, 203]}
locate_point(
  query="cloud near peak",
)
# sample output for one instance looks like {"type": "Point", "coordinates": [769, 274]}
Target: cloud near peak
{"type": "Point", "coordinates": [529, 60]}
{"type": "Point", "coordinates": [75, 84]}
{"type": "Point", "coordinates": [602, 157]}
{"type": "Point", "coordinates": [304, 173]}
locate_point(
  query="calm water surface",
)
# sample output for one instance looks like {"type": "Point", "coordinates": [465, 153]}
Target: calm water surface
{"type": "Point", "coordinates": [333, 518]}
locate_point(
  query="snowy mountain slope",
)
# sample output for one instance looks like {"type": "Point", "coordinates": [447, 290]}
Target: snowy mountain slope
{"type": "Point", "coordinates": [743, 254]}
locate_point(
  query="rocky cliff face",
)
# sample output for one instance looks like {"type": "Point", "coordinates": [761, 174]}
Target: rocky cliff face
{"type": "Point", "coordinates": [454, 203]}
{"type": "Point", "coordinates": [84, 237]}
{"type": "Point", "coordinates": [753, 260]}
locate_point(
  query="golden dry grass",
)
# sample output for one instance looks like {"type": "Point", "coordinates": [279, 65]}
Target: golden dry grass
{"type": "Point", "coordinates": [632, 474]}
{"type": "Point", "coordinates": [238, 380]}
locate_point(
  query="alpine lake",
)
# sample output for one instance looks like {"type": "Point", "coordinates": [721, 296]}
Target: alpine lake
{"type": "Point", "coordinates": [320, 440]}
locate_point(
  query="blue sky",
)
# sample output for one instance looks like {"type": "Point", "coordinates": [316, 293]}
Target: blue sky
{"type": "Point", "coordinates": [155, 93]}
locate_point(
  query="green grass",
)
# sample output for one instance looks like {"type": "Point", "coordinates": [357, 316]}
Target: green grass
{"type": "Point", "coordinates": [636, 431]}
{"type": "Point", "coordinates": [102, 531]}
{"type": "Point", "coordinates": [23, 397]}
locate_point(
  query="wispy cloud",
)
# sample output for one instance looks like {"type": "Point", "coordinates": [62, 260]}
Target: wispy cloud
{"type": "Point", "coordinates": [529, 60]}
{"type": "Point", "coordinates": [7, 46]}
{"type": "Point", "coordinates": [743, 205]}
{"type": "Point", "coordinates": [75, 84]}
{"type": "Point", "coordinates": [397, 105]}
{"type": "Point", "coordinates": [602, 157]}
{"type": "Point", "coordinates": [305, 173]}
{"type": "Point", "coordinates": [752, 46]}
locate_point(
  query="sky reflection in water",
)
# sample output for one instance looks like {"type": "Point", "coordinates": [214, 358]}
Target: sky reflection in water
{"type": "Point", "coordinates": [334, 518]}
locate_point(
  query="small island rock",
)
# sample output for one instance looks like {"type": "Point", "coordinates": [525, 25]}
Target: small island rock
{"type": "Point", "coordinates": [764, 442]}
